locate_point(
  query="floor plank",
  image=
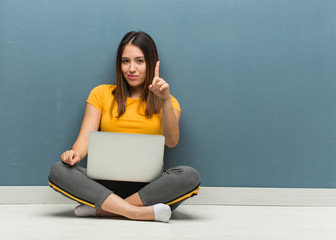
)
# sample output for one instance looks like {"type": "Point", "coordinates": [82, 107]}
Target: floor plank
{"type": "Point", "coordinates": [57, 221]}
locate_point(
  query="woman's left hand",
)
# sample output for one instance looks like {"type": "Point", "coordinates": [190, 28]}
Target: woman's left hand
{"type": "Point", "coordinates": [159, 86]}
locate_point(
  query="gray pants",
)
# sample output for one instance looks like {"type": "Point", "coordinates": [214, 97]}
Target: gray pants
{"type": "Point", "coordinates": [172, 188]}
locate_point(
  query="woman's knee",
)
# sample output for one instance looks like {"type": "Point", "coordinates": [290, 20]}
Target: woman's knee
{"type": "Point", "coordinates": [189, 176]}
{"type": "Point", "coordinates": [57, 170]}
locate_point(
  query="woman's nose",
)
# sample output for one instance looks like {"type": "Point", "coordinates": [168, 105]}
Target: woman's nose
{"type": "Point", "coordinates": [132, 67]}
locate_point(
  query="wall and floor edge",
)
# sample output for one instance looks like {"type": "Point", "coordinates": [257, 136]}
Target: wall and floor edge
{"type": "Point", "coordinates": [305, 197]}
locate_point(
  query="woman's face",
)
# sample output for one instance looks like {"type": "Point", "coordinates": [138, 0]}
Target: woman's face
{"type": "Point", "coordinates": [133, 66]}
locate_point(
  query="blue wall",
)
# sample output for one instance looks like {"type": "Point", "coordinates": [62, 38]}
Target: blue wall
{"type": "Point", "coordinates": [256, 81]}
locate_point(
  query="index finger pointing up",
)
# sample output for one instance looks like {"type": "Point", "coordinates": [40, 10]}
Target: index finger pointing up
{"type": "Point", "coordinates": [157, 69]}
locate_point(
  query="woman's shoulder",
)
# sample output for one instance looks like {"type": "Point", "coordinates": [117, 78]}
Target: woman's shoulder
{"type": "Point", "coordinates": [100, 95]}
{"type": "Point", "coordinates": [104, 87]}
{"type": "Point", "coordinates": [102, 91]}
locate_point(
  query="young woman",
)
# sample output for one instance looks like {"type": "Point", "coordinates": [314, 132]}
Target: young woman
{"type": "Point", "coordinates": [140, 102]}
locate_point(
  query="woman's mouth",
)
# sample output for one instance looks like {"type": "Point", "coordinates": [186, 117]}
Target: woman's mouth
{"type": "Point", "coordinates": [132, 77]}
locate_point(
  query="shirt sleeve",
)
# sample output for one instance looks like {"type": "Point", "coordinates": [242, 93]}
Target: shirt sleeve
{"type": "Point", "coordinates": [96, 98]}
{"type": "Point", "coordinates": [176, 104]}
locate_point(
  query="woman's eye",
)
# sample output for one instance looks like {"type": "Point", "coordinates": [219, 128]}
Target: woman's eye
{"type": "Point", "coordinates": [124, 61]}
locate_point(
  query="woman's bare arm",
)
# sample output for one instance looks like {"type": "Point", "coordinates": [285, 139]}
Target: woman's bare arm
{"type": "Point", "coordinates": [79, 150]}
{"type": "Point", "coordinates": [170, 117]}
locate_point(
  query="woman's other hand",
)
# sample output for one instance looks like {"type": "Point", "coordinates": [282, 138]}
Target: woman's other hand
{"type": "Point", "coordinates": [70, 157]}
{"type": "Point", "coordinates": [159, 86]}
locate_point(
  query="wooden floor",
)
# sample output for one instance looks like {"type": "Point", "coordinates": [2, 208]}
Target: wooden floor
{"type": "Point", "coordinates": [57, 221]}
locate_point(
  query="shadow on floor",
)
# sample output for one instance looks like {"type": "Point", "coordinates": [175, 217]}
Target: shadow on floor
{"type": "Point", "coordinates": [181, 215]}
{"type": "Point", "coordinates": [176, 215]}
{"type": "Point", "coordinates": [65, 213]}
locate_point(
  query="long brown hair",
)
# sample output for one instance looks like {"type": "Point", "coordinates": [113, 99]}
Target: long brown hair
{"type": "Point", "coordinates": [123, 90]}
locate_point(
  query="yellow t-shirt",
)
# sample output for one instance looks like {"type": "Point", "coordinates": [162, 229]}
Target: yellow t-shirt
{"type": "Point", "coordinates": [132, 121]}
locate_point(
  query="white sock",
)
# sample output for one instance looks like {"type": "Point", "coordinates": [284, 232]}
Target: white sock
{"type": "Point", "coordinates": [85, 211]}
{"type": "Point", "coordinates": [162, 212]}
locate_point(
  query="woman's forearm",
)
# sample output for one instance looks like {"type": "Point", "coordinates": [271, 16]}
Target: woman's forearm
{"type": "Point", "coordinates": [81, 147]}
{"type": "Point", "coordinates": [90, 123]}
{"type": "Point", "coordinates": [170, 119]}
{"type": "Point", "coordinates": [170, 123]}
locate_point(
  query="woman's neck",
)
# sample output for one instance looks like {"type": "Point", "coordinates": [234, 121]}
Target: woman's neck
{"type": "Point", "coordinates": [136, 92]}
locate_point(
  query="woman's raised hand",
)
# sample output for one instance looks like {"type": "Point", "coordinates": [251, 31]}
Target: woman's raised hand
{"type": "Point", "coordinates": [159, 86]}
{"type": "Point", "coordinates": [70, 157]}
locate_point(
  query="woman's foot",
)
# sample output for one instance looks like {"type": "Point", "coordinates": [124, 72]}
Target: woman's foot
{"type": "Point", "coordinates": [85, 211]}
{"type": "Point", "coordinates": [115, 204]}
{"type": "Point", "coordinates": [162, 212]}
{"type": "Point", "coordinates": [158, 212]}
